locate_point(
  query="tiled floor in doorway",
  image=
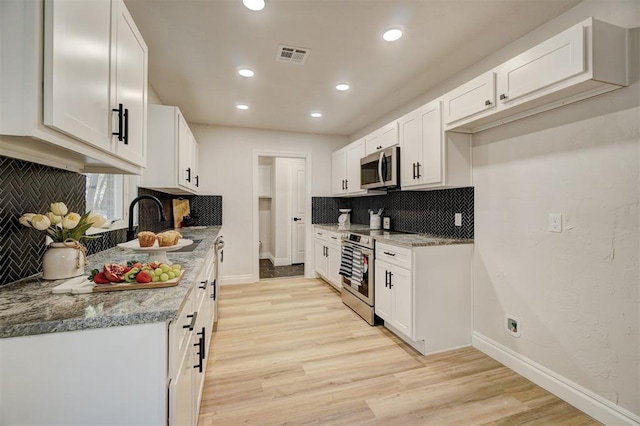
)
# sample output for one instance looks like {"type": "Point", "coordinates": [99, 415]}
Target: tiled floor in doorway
{"type": "Point", "coordinates": [267, 270]}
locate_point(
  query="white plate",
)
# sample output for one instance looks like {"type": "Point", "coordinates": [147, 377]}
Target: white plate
{"type": "Point", "coordinates": [135, 246]}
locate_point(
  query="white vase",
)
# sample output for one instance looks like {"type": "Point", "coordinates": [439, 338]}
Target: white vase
{"type": "Point", "coordinates": [61, 261]}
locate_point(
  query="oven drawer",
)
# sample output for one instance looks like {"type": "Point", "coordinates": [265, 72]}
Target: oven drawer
{"type": "Point", "coordinates": [399, 256]}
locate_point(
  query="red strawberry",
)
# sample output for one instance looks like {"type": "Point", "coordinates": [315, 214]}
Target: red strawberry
{"type": "Point", "coordinates": [143, 277]}
{"type": "Point", "coordinates": [137, 265]}
{"type": "Point", "coordinates": [100, 278]}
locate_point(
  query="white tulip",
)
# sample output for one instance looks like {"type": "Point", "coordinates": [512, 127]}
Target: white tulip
{"type": "Point", "coordinates": [55, 219]}
{"type": "Point", "coordinates": [40, 222]}
{"type": "Point", "coordinates": [59, 209]}
{"type": "Point", "coordinates": [96, 219]}
{"type": "Point", "coordinates": [70, 221]}
{"type": "Point", "coordinates": [25, 219]}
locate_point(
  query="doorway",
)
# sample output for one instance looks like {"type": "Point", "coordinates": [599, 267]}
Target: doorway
{"type": "Point", "coordinates": [282, 216]}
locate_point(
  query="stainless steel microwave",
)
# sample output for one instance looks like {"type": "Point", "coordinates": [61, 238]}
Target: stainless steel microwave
{"type": "Point", "coordinates": [381, 170]}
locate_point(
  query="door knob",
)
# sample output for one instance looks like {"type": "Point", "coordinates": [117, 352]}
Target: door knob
{"type": "Point", "coordinates": [295, 219]}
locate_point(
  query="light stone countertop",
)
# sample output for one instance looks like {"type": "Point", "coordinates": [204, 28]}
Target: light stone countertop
{"type": "Point", "coordinates": [28, 307]}
{"type": "Point", "coordinates": [401, 239]}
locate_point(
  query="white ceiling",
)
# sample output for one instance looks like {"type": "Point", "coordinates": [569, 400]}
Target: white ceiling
{"type": "Point", "coordinates": [196, 47]}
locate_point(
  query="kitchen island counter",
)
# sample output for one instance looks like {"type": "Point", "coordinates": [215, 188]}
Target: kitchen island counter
{"type": "Point", "coordinates": [401, 239]}
{"type": "Point", "coordinates": [28, 307]}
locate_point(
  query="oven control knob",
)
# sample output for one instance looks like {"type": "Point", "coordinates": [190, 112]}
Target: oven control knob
{"type": "Point", "coordinates": [364, 240]}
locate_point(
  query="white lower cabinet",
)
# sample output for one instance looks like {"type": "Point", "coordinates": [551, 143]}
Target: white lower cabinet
{"type": "Point", "coordinates": [393, 297]}
{"type": "Point", "coordinates": [423, 294]}
{"type": "Point", "coordinates": [327, 251]}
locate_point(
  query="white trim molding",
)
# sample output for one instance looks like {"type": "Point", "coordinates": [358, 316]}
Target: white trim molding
{"type": "Point", "coordinates": [238, 279]}
{"type": "Point", "coordinates": [594, 405]}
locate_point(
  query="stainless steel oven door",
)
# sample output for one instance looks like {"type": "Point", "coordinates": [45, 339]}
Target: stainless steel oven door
{"type": "Point", "coordinates": [364, 291]}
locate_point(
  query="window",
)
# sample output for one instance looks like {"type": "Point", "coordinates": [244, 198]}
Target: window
{"type": "Point", "coordinates": [105, 195]}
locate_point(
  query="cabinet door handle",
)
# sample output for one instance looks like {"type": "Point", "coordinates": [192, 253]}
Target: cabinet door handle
{"type": "Point", "coordinates": [346, 184]}
{"type": "Point", "coordinates": [200, 358]}
{"type": "Point", "coordinates": [126, 126]}
{"type": "Point", "coordinates": [213, 295]}
{"type": "Point", "coordinates": [487, 103]}
{"type": "Point", "coordinates": [204, 286]}
{"type": "Point", "coordinates": [388, 253]}
{"type": "Point", "coordinates": [418, 170]}
{"type": "Point", "coordinates": [204, 344]}
{"type": "Point", "coordinates": [390, 275]}
{"type": "Point", "coordinates": [198, 181]}
{"type": "Point", "coordinates": [191, 325]}
{"type": "Point", "coordinates": [414, 170]}
{"type": "Point", "coordinates": [188, 174]}
{"type": "Point", "coordinates": [386, 278]}
{"type": "Point", "coordinates": [120, 112]}
{"type": "Point", "coordinates": [503, 96]}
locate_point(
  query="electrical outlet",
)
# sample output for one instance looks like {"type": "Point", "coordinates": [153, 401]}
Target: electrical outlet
{"type": "Point", "coordinates": [555, 222]}
{"type": "Point", "coordinates": [512, 324]}
{"type": "Point", "coordinates": [458, 219]}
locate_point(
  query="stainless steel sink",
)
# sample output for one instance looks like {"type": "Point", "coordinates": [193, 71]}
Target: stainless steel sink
{"type": "Point", "coordinates": [186, 249]}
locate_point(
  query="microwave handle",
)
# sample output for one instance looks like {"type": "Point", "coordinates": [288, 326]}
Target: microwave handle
{"type": "Point", "coordinates": [380, 176]}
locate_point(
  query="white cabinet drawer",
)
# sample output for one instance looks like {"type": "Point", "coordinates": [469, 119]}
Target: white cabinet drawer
{"type": "Point", "coordinates": [334, 237]}
{"type": "Point", "coordinates": [179, 334]}
{"type": "Point", "coordinates": [395, 255]}
{"type": "Point", "coordinates": [321, 234]}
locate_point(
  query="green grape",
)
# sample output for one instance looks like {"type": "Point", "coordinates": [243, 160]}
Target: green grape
{"type": "Point", "coordinates": [176, 266]}
{"type": "Point", "coordinates": [158, 271]}
{"type": "Point", "coordinates": [155, 278]}
{"type": "Point", "coordinates": [165, 268]}
{"type": "Point", "coordinates": [164, 277]}
{"type": "Point", "coordinates": [171, 275]}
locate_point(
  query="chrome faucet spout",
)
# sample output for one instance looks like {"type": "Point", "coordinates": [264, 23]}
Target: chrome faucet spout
{"type": "Point", "coordinates": [130, 232]}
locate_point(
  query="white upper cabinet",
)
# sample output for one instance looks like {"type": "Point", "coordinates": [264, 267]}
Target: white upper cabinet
{"type": "Point", "coordinates": [77, 69]}
{"type": "Point", "coordinates": [384, 137]}
{"type": "Point", "coordinates": [583, 61]}
{"type": "Point", "coordinates": [172, 157]}
{"type": "Point", "coordinates": [431, 158]}
{"type": "Point", "coordinates": [130, 85]}
{"type": "Point", "coordinates": [345, 173]}
{"type": "Point", "coordinates": [64, 67]}
{"type": "Point", "coordinates": [472, 98]}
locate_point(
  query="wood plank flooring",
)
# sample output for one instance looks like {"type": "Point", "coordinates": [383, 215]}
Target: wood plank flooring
{"type": "Point", "coordinates": [289, 352]}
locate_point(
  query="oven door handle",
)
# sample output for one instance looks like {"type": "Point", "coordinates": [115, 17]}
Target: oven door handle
{"type": "Point", "coordinates": [380, 176]}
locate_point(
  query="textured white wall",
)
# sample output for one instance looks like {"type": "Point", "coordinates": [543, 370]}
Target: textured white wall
{"type": "Point", "coordinates": [226, 155]}
{"type": "Point", "coordinates": [576, 293]}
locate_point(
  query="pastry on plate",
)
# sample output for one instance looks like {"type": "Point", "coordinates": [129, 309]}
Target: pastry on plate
{"type": "Point", "coordinates": [168, 238]}
{"type": "Point", "coordinates": [146, 238]}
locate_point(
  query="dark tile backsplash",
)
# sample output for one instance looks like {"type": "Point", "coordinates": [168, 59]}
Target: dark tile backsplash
{"type": "Point", "coordinates": [30, 188]}
{"type": "Point", "coordinates": [430, 212]}
{"type": "Point", "coordinates": [206, 210]}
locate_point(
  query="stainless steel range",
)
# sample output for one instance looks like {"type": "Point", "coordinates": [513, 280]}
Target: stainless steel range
{"type": "Point", "coordinates": [356, 268]}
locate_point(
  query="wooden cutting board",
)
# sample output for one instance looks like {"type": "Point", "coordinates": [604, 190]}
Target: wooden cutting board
{"type": "Point", "coordinates": [137, 286]}
{"type": "Point", "coordinates": [180, 210]}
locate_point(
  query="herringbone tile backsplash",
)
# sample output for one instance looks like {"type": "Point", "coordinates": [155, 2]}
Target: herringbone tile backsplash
{"type": "Point", "coordinates": [30, 188]}
{"type": "Point", "coordinates": [429, 212]}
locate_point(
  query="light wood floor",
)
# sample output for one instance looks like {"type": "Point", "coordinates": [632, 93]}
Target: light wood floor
{"type": "Point", "coordinates": [289, 352]}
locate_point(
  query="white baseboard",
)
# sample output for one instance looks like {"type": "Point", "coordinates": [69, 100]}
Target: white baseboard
{"type": "Point", "coordinates": [238, 279]}
{"type": "Point", "coordinates": [280, 261]}
{"type": "Point", "coordinates": [266, 255]}
{"type": "Point", "coordinates": [594, 405]}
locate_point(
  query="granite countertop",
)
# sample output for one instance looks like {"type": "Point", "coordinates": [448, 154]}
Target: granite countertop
{"type": "Point", "coordinates": [397, 238]}
{"type": "Point", "coordinates": [28, 307]}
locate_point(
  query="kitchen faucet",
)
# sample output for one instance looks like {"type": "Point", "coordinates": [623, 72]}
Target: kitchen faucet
{"type": "Point", "coordinates": [130, 233]}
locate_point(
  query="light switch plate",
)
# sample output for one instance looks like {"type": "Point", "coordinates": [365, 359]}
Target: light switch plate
{"type": "Point", "coordinates": [555, 222]}
{"type": "Point", "coordinates": [458, 219]}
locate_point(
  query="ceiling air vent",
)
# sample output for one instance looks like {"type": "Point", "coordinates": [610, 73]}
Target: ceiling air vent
{"type": "Point", "coordinates": [294, 55]}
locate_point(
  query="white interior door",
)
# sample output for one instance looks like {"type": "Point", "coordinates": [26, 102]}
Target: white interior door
{"type": "Point", "coordinates": [298, 211]}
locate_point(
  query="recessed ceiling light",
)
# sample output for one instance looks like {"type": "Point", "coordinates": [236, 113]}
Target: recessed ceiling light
{"type": "Point", "coordinates": [316, 114]}
{"type": "Point", "coordinates": [254, 4]}
{"type": "Point", "coordinates": [392, 34]}
{"type": "Point", "coordinates": [342, 87]}
{"type": "Point", "coordinates": [242, 106]}
{"type": "Point", "coordinates": [245, 72]}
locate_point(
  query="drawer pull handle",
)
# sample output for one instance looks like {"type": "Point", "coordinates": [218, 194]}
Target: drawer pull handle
{"type": "Point", "coordinates": [191, 325]}
{"type": "Point", "coordinates": [503, 96]}
{"type": "Point", "coordinates": [204, 286]}
{"type": "Point", "coordinates": [389, 254]}
{"type": "Point", "coordinates": [487, 103]}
